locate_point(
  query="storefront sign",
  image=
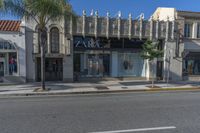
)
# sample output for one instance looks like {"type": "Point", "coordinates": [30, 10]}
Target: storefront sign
{"type": "Point", "coordinates": [87, 43]}
{"type": "Point", "coordinates": [4, 45]}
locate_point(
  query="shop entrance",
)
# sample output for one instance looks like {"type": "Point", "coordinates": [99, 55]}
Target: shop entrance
{"type": "Point", "coordinates": [98, 65]}
{"type": "Point", "coordinates": [159, 72]}
{"type": "Point", "coordinates": [2, 69]}
{"type": "Point", "coordinates": [54, 69]}
{"type": "Point", "coordinates": [95, 65]}
{"type": "Point", "coordinates": [92, 65]}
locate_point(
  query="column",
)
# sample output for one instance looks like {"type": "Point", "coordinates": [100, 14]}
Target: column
{"type": "Point", "coordinates": [157, 29]}
{"type": "Point", "coordinates": [130, 26]}
{"type": "Point", "coordinates": [71, 25]}
{"type": "Point", "coordinates": [48, 43]}
{"type": "Point", "coordinates": [96, 24]}
{"type": "Point", "coordinates": [194, 30]}
{"type": "Point", "coordinates": [141, 26]}
{"type": "Point", "coordinates": [119, 25]}
{"type": "Point", "coordinates": [108, 25]}
{"type": "Point", "coordinates": [114, 64]}
{"type": "Point", "coordinates": [83, 25]}
{"type": "Point", "coordinates": [173, 29]}
{"type": "Point", "coordinates": [151, 28]}
{"type": "Point", "coordinates": [68, 66]}
{"type": "Point", "coordinates": [167, 30]}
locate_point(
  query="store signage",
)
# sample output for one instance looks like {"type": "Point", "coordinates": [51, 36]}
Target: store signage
{"type": "Point", "coordinates": [4, 45]}
{"type": "Point", "coordinates": [87, 43]}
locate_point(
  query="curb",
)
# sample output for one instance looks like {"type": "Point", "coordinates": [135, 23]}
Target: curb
{"type": "Point", "coordinates": [101, 92]}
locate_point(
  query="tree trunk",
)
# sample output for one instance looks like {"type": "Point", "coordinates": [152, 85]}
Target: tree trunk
{"type": "Point", "coordinates": [152, 72]}
{"type": "Point", "coordinates": [43, 38]}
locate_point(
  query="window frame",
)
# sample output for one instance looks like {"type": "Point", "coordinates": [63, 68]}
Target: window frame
{"type": "Point", "coordinates": [55, 44]}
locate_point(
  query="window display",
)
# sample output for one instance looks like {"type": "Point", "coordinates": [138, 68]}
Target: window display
{"type": "Point", "coordinates": [130, 64]}
{"type": "Point", "coordinates": [191, 67]}
{"type": "Point", "coordinates": [12, 63]}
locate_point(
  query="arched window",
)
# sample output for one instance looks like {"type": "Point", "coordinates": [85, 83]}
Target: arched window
{"type": "Point", "coordinates": [54, 40]}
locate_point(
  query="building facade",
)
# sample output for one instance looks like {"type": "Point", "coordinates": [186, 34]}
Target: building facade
{"type": "Point", "coordinates": [107, 47]}
{"type": "Point", "coordinates": [97, 47]}
{"type": "Point", "coordinates": [12, 51]}
{"type": "Point", "coordinates": [188, 48]}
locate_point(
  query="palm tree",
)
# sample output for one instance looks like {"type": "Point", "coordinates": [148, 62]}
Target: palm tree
{"type": "Point", "coordinates": [41, 11]}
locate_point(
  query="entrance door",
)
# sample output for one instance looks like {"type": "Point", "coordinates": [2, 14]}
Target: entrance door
{"type": "Point", "coordinates": [54, 69]}
{"type": "Point", "coordinates": [159, 73]}
{"type": "Point", "coordinates": [1, 69]}
{"type": "Point", "coordinates": [95, 65]}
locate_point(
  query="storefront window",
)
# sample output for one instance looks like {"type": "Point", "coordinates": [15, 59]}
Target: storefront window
{"type": "Point", "coordinates": [54, 40]}
{"type": "Point", "coordinates": [191, 67]}
{"type": "Point", "coordinates": [130, 64]}
{"type": "Point", "coordinates": [102, 57]}
{"type": "Point", "coordinates": [8, 58]}
{"type": "Point", "coordinates": [12, 63]}
{"type": "Point", "coordinates": [188, 30]}
{"type": "Point", "coordinates": [191, 64]}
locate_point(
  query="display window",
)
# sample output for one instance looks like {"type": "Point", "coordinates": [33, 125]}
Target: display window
{"type": "Point", "coordinates": [12, 63]}
{"type": "Point", "coordinates": [130, 64]}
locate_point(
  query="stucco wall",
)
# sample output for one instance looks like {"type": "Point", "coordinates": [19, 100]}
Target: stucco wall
{"type": "Point", "coordinates": [172, 63]}
{"type": "Point", "coordinates": [163, 13]}
{"type": "Point", "coordinates": [19, 39]}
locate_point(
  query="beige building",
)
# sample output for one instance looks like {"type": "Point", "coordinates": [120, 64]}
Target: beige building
{"type": "Point", "coordinates": [97, 47]}
{"type": "Point", "coordinates": [106, 47]}
{"type": "Point", "coordinates": [188, 32]}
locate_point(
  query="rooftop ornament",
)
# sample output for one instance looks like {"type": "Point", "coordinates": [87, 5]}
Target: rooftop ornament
{"type": "Point", "coordinates": [130, 15]}
{"type": "Point", "coordinates": [96, 13]}
{"type": "Point", "coordinates": [108, 14]}
{"type": "Point", "coordinates": [119, 14]}
{"type": "Point", "coordinates": [84, 12]}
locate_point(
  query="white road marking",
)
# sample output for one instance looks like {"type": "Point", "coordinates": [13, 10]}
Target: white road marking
{"type": "Point", "coordinates": [138, 130]}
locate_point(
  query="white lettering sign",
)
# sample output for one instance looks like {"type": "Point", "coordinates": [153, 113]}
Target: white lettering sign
{"type": "Point", "coordinates": [89, 43]}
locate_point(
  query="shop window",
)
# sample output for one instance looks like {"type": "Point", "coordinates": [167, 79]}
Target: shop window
{"type": "Point", "coordinates": [130, 64]}
{"type": "Point", "coordinates": [12, 63]}
{"type": "Point", "coordinates": [198, 30]}
{"type": "Point", "coordinates": [188, 30]}
{"type": "Point", "coordinates": [191, 67]}
{"type": "Point", "coordinates": [54, 35]}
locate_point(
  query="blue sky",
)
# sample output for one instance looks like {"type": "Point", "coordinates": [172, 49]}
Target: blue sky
{"type": "Point", "coordinates": [132, 6]}
{"type": "Point", "coordinates": [129, 6]}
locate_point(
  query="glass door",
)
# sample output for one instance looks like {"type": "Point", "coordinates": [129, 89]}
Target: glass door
{"type": "Point", "coordinates": [1, 69]}
{"type": "Point", "coordinates": [95, 65]}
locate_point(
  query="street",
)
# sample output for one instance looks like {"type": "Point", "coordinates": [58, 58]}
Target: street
{"type": "Point", "coordinates": [148, 112]}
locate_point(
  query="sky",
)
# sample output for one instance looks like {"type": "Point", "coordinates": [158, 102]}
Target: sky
{"type": "Point", "coordinates": [135, 7]}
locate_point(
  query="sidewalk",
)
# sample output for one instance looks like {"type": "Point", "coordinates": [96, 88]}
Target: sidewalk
{"type": "Point", "coordinates": [98, 87]}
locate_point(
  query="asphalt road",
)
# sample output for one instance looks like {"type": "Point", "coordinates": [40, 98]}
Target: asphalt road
{"type": "Point", "coordinates": [115, 113]}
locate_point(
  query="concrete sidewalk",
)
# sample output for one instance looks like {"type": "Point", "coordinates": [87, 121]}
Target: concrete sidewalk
{"type": "Point", "coordinates": [59, 88]}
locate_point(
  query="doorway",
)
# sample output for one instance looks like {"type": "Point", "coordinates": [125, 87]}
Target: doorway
{"type": "Point", "coordinates": [159, 73]}
{"type": "Point", "coordinates": [53, 69]}
{"type": "Point", "coordinates": [2, 69]}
